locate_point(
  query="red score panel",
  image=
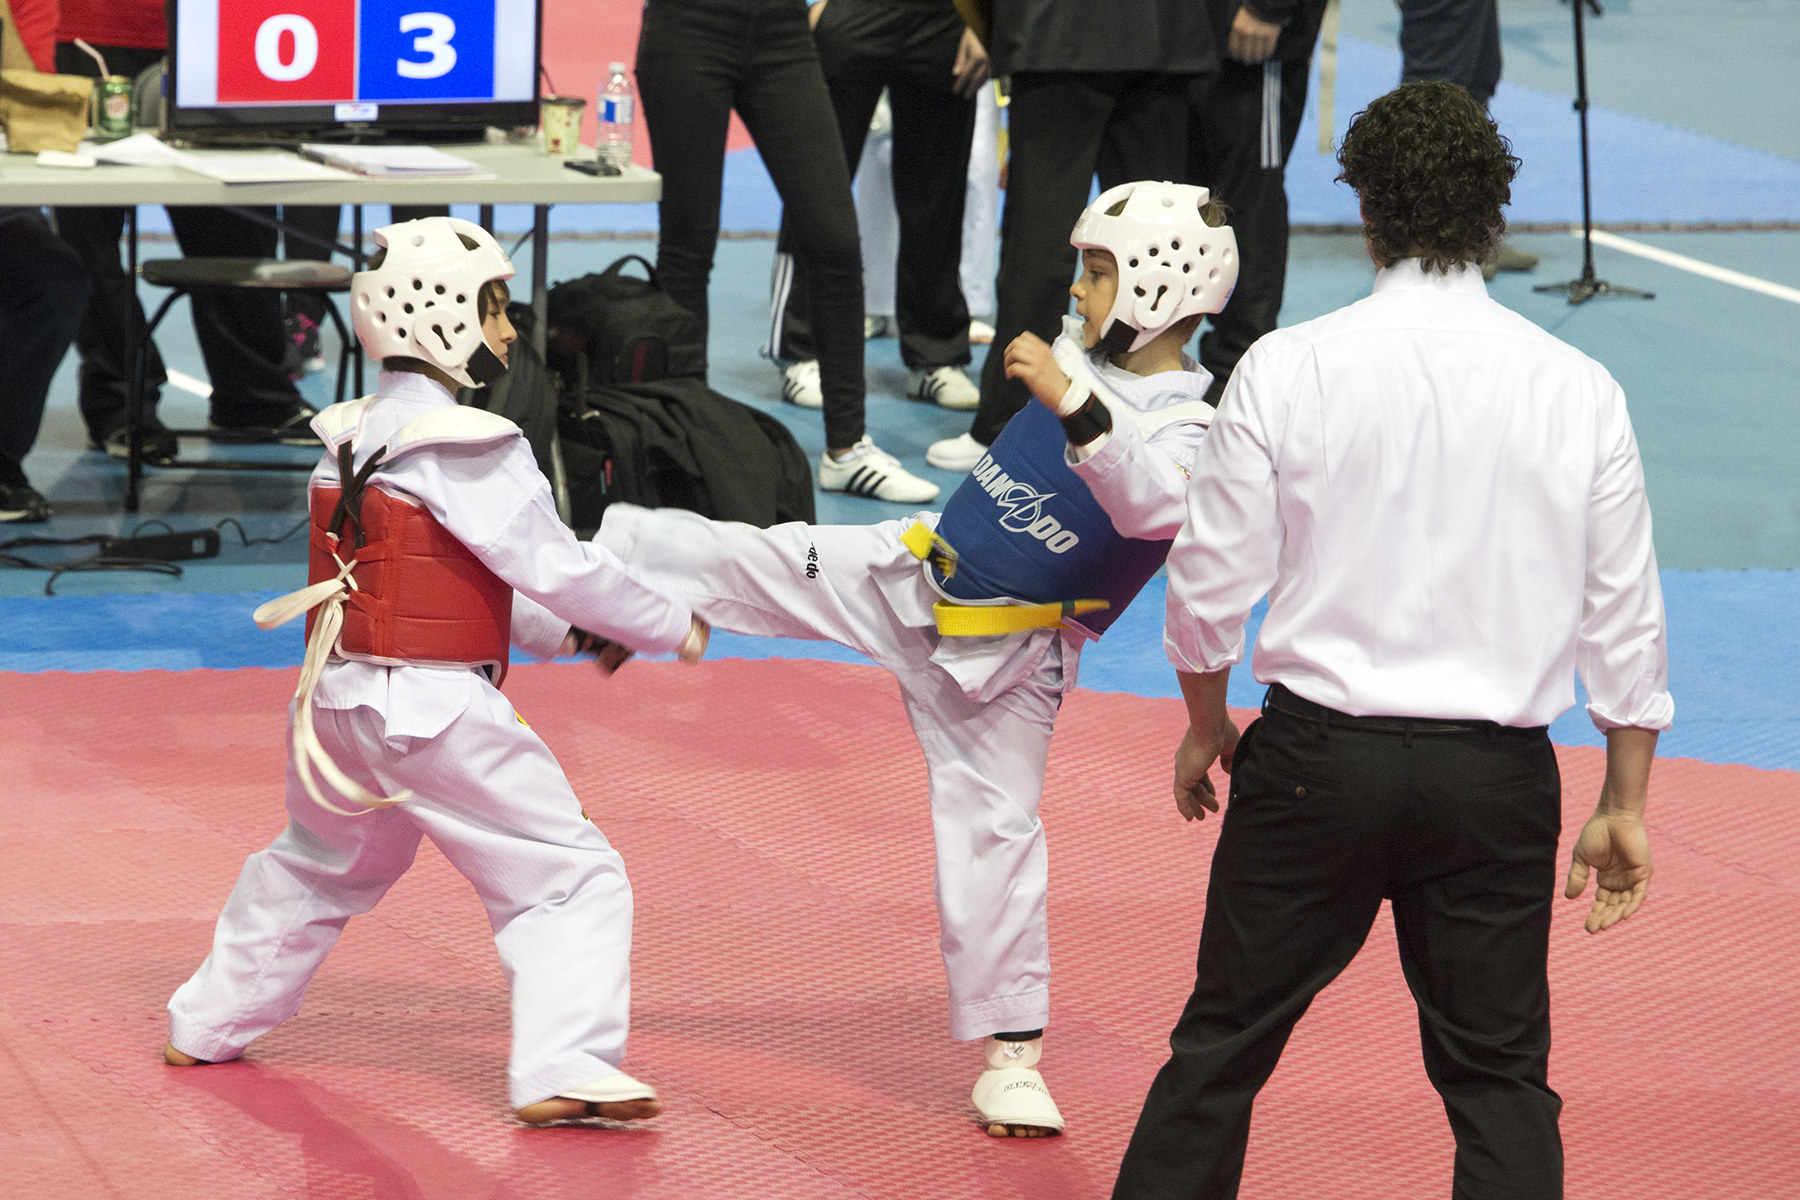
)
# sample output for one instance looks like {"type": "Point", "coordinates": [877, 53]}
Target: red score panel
{"type": "Point", "coordinates": [287, 51]}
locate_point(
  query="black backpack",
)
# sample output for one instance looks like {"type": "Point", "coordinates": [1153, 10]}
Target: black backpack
{"type": "Point", "coordinates": [614, 328]}
{"type": "Point", "coordinates": [676, 443]}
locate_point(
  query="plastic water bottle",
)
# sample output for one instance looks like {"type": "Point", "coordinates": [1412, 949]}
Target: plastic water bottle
{"type": "Point", "coordinates": [614, 143]}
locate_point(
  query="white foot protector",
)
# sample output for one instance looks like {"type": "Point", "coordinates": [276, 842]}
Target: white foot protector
{"type": "Point", "coordinates": [611, 1090]}
{"type": "Point", "coordinates": [1011, 1091]}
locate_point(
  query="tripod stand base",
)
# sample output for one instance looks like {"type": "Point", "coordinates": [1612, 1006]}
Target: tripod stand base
{"type": "Point", "coordinates": [1587, 287]}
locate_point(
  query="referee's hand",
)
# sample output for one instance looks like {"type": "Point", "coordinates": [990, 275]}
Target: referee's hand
{"type": "Point", "coordinates": [1194, 792]}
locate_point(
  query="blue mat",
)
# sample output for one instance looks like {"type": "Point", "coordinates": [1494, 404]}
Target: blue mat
{"type": "Point", "coordinates": [1734, 653]}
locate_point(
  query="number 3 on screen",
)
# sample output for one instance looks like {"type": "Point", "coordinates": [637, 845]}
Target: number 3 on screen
{"type": "Point", "coordinates": [408, 55]}
{"type": "Point", "coordinates": [435, 41]}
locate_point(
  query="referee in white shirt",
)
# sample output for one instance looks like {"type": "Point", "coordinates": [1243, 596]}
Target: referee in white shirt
{"type": "Point", "coordinates": [1445, 506]}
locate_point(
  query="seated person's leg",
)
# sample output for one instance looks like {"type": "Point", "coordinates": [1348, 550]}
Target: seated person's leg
{"type": "Point", "coordinates": [240, 335]}
{"type": "Point", "coordinates": [46, 295]}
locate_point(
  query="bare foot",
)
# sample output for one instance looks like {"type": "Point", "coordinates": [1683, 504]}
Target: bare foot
{"type": "Point", "coordinates": [562, 1108]}
{"type": "Point", "coordinates": [176, 1058]}
{"type": "Point", "coordinates": [1019, 1131]}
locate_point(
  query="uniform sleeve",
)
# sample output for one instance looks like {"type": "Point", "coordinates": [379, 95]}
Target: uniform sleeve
{"type": "Point", "coordinates": [1142, 483]}
{"type": "Point", "coordinates": [1228, 550]}
{"type": "Point", "coordinates": [493, 499]}
{"type": "Point", "coordinates": [535, 629]}
{"type": "Point", "coordinates": [1622, 652]}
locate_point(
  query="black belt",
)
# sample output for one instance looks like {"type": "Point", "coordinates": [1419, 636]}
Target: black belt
{"type": "Point", "coordinates": [1279, 699]}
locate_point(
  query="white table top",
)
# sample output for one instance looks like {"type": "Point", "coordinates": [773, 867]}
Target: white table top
{"type": "Point", "coordinates": [523, 175]}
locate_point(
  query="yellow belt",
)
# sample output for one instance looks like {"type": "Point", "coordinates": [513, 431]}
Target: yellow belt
{"type": "Point", "coordinates": [977, 620]}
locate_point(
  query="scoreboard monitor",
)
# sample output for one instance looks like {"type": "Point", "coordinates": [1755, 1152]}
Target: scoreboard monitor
{"type": "Point", "coordinates": [316, 65]}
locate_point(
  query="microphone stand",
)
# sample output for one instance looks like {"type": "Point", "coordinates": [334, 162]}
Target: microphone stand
{"type": "Point", "coordinates": [1588, 286]}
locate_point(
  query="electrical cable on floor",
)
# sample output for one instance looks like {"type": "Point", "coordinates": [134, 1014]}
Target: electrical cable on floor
{"type": "Point", "coordinates": [156, 553]}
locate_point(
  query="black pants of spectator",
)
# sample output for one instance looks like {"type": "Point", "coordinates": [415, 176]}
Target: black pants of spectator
{"type": "Point", "coordinates": [1063, 128]}
{"type": "Point", "coordinates": [1457, 41]}
{"type": "Point", "coordinates": [1458, 830]}
{"type": "Point", "coordinates": [322, 221]}
{"type": "Point", "coordinates": [1249, 112]}
{"type": "Point", "coordinates": [696, 61]}
{"type": "Point", "coordinates": [240, 334]}
{"type": "Point", "coordinates": [41, 304]}
{"type": "Point", "coordinates": [866, 45]}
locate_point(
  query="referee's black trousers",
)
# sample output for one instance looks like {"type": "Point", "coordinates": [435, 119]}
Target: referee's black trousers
{"type": "Point", "coordinates": [1459, 831]}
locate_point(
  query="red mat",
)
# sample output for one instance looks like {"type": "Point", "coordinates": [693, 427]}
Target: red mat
{"type": "Point", "coordinates": [789, 1000]}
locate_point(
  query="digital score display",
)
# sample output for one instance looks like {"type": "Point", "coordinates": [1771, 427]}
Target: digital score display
{"type": "Point", "coordinates": [266, 53]}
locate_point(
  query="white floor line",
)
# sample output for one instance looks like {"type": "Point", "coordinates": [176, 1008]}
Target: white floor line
{"type": "Point", "coordinates": [187, 383]}
{"type": "Point", "coordinates": [1683, 262]}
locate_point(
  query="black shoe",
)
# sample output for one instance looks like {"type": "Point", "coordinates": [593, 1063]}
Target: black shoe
{"type": "Point", "coordinates": [160, 446]}
{"type": "Point", "coordinates": [303, 355]}
{"type": "Point", "coordinates": [20, 503]}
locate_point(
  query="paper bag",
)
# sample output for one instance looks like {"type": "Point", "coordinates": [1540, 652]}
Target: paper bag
{"type": "Point", "coordinates": [43, 112]}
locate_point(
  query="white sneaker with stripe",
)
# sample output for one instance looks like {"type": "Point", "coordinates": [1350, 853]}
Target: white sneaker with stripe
{"type": "Point", "coordinates": [869, 471]}
{"type": "Point", "coordinates": [800, 384]}
{"type": "Point", "coordinates": [946, 387]}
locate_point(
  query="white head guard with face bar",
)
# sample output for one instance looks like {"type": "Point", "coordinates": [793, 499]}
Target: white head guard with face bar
{"type": "Point", "coordinates": [421, 302]}
{"type": "Point", "coordinates": [1172, 264]}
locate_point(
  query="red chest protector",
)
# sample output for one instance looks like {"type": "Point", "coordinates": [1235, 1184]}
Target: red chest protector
{"type": "Point", "coordinates": [420, 597]}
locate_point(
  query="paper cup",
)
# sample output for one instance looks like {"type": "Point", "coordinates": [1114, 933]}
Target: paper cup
{"type": "Point", "coordinates": [561, 117]}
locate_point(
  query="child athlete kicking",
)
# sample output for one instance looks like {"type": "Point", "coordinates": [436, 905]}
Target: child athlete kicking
{"type": "Point", "coordinates": [980, 614]}
{"type": "Point", "coordinates": [434, 543]}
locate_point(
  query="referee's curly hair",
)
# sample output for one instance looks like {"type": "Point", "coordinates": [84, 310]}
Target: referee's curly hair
{"type": "Point", "coordinates": [1432, 172]}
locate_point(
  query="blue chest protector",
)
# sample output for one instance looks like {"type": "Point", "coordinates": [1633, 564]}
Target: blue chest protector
{"type": "Point", "coordinates": [1026, 527]}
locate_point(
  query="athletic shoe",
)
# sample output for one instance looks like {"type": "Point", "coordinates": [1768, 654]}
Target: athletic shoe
{"type": "Point", "coordinates": [959, 454]}
{"type": "Point", "coordinates": [303, 355]}
{"type": "Point", "coordinates": [869, 471]}
{"type": "Point", "coordinates": [980, 333]}
{"type": "Point", "coordinates": [160, 447]}
{"type": "Point", "coordinates": [946, 387]}
{"type": "Point", "coordinates": [1010, 1094]}
{"type": "Point", "coordinates": [878, 327]}
{"type": "Point", "coordinates": [21, 504]}
{"type": "Point", "coordinates": [800, 384]}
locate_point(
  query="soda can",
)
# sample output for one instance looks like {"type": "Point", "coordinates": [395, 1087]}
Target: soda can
{"type": "Point", "coordinates": [114, 117]}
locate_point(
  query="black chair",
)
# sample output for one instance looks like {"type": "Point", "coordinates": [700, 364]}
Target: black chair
{"type": "Point", "coordinates": [185, 276]}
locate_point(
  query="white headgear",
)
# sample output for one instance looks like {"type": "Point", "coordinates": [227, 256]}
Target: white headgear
{"type": "Point", "coordinates": [421, 302]}
{"type": "Point", "coordinates": [1172, 264]}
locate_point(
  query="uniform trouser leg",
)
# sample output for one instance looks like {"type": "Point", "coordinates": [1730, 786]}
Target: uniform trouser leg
{"type": "Point", "coordinates": [46, 296]}
{"type": "Point", "coordinates": [491, 796]}
{"type": "Point", "coordinates": [1461, 832]}
{"type": "Point", "coordinates": [985, 762]}
{"type": "Point", "coordinates": [1454, 40]}
{"type": "Point", "coordinates": [1063, 128]}
{"type": "Point", "coordinates": [878, 224]}
{"type": "Point", "coordinates": [981, 208]}
{"type": "Point", "coordinates": [1227, 154]}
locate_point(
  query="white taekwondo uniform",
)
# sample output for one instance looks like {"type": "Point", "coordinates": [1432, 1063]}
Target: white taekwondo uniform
{"type": "Point", "coordinates": [982, 708]}
{"type": "Point", "coordinates": [487, 791]}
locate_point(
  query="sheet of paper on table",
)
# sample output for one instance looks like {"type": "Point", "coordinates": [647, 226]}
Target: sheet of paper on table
{"type": "Point", "coordinates": [402, 162]}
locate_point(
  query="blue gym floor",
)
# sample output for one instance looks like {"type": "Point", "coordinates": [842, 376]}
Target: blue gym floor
{"type": "Point", "coordinates": [1694, 124]}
